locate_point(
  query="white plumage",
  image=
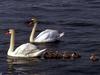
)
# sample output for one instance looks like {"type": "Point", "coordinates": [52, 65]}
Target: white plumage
{"type": "Point", "coordinates": [24, 50]}
{"type": "Point", "coordinates": [48, 35]}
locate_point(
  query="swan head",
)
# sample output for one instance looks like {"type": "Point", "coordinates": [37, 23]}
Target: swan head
{"type": "Point", "coordinates": [10, 31]}
{"type": "Point", "coordinates": [34, 20]}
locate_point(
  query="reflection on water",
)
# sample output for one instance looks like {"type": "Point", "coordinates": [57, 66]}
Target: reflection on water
{"type": "Point", "coordinates": [22, 66]}
{"type": "Point", "coordinates": [16, 60]}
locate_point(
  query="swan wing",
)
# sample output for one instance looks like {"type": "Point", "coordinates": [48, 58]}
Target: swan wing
{"type": "Point", "coordinates": [25, 49]}
{"type": "Point", "coordinates": [42, 33]}
{"type": "Point", "coordinates": [47, 36]}
{"type": "Point", "coordinates": [36, 53]}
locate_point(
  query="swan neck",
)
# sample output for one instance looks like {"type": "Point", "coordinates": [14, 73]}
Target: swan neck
{"type": "Point", "coordinates": [11, 48]}
{"type": "Point", "coordinates": [33, 33]}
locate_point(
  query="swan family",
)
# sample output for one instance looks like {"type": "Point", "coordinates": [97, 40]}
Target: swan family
{"type": "Point", "coordinates": [29, 49]}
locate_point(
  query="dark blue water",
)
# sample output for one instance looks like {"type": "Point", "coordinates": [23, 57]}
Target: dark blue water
{"type": "Point", "coordinates": [79, 19]}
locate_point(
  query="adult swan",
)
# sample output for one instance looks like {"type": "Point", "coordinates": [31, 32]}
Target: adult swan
{"type": "Point", "coordinates": [47, 35]}
{"type": "Point", "coordinates": [25, 50]}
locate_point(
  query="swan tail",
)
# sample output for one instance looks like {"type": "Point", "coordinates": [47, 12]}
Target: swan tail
{"type": "Point", "coordinates": [38, 53]}
{"type": "Point", "coordinates": [61, 34]}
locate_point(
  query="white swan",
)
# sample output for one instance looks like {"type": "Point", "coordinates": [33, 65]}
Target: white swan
{"type": "Point", "coordinates": [25, 50]}
{"type": "Point", "coordinates": [47, 35]}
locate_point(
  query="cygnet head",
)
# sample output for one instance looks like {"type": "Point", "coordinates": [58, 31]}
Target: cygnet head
{"type": "Point", "coordinates": [75, 55]}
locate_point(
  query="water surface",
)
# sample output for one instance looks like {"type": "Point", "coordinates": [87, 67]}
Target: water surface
{"type": "Point", "coordinates": [80, 20]}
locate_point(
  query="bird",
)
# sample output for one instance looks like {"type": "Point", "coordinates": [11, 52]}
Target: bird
{"type": "Point", "coordinates": [93, 57]}
{"type": "Point", "coordinates": [48, 35]}
{"type": "Point", "coordinates": [24, 50]}
{"type": "Point", "coordinates": [52, 55]}
{"type": "Point", "coordinates": [66, 55]}
{"type": "Point", "coordinates": [75, 55]}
